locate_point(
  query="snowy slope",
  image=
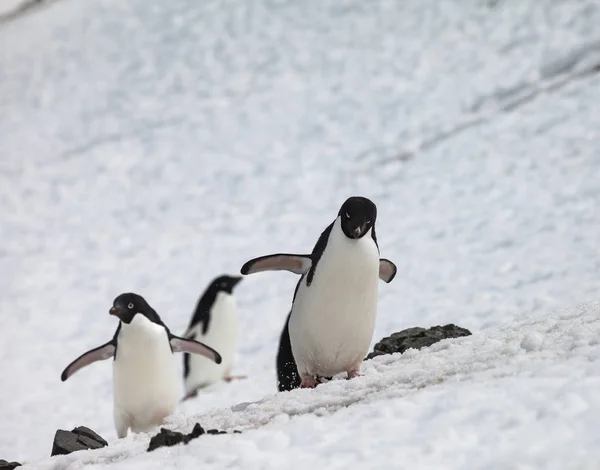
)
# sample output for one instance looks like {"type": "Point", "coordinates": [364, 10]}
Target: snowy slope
{"type": "Point", "coordinates": [7, 6]}
{"type": "Point", "coordinates": [147, 146]}
{"type": "Point", "coordinates": [516, 397]}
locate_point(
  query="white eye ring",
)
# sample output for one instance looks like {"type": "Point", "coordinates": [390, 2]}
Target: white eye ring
{"type": "Point", "coordinates": [347, 215]}
{"type": "Point", "coordinates": [130, 306]}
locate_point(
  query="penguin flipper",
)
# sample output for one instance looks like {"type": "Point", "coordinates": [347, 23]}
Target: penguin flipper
{"type": "Point", "coordinates": [100, 353]}
{"type": "Point", "coordinates": [387, 270]}
{"type": "Point", "coordinates": [298, 264]}
{"type": "Point", "coordinates": [179, 344]}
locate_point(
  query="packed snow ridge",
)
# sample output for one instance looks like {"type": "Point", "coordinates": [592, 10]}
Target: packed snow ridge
{"type": "Point", "coordinates": [481, 392]}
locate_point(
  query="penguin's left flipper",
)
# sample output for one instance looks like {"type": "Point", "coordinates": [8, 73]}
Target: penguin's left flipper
{"type": "Point", "coordinates": [97, 354]}
{"type": "Point", "coordinates": [192, 346]}
{"type": "Point", "coordinates": [298, 264]}
{"type": "Point", "coordinates": [387, 270]}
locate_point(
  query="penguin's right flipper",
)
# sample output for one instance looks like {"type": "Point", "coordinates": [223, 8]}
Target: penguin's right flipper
{"type": "Point", "coordinates": [100, 353]}
{"type": "Point", "coordinates": [179, 344]}
{"type": "Point", "coordinates": [387, 270]}
{"type": "Point", "coordinates": [298, 264]}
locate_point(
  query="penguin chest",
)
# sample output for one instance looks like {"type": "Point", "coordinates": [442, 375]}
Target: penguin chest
{"type": "Point", "coordinates": [222, 335]}
{"type": "Point", "coordinates": [144, 371]}
{"type": "Point", "coordinates": [333, 319]}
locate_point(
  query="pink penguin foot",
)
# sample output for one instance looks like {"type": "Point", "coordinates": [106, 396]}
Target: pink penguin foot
{"type": "Point", "coordinates": [353, 374]}
{"type": "Point", "coordinates": [229, 378]}
{"type": "Point", "coordinates": [308, 382]}
{"type": "Point", "coordinates": [192, 394]}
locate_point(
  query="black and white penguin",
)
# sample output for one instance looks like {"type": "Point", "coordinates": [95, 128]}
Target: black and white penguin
{"type": "Point", "coordinates": [332, 319]}
{"type": "Point", "coordinates": [146, 384]}
{"type": "Point", "coordinates": [215, 323]}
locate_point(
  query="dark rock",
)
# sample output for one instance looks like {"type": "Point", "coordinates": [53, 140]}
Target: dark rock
{"type": "Point", "coordinates": [166, 437]}
{"type": "Point", "coordinates": [84, 432]}
{"type": "Point", "coordinates": [80, 438]}
{"type": "Point", "coordinates": [196, 432]}
{"type": "Point", "coordinates": [4, 465]}
{"type": "Point", "coordinates": [416, 338]}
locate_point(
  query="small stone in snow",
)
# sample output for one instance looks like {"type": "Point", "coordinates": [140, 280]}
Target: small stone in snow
{"type": "Point", "coordinates": [4, 465]}
{"type": "Point", "coordinates": [166, 437]}
{"type": "Point", "coordinates": [80, 438]}
{"type": "Point", "coordinates": [416, 338]}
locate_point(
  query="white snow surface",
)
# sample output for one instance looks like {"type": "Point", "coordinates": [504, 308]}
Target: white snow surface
{"type": "Point", "coordinates": [9, 6]}
{"type": "Point", "coordinates": [149, 146]}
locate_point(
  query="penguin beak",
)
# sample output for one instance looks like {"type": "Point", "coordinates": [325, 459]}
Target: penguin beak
{"type": "Point", "coordinates": [359, 231]}
{"type": "Point", "coordinates": [236, 281]}
{"type": "Point", "coordinates": [116, 311]}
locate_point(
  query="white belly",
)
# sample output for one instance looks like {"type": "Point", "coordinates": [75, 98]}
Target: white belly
{"type": "Point", "coordinates": [332, 321]}
{"type": "Point", "coordinates": [222, 336]}
{"type": "Point", "coordinates": [146, 382]}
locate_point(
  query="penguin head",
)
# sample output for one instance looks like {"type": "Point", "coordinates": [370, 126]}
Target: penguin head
{"type": "Point", "coordinates": [126, 306]}
{"type": "Point", "coordinates": [357, 216]}
{"type": "Point", "coordinates": [225, 283]}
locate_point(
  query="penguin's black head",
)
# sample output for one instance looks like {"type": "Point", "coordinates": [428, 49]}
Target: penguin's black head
{"type": "Point", "coordinates": [127, 305]}
{"type": "Point", "coordinates": [225, 283]}
{"type": "Point", "coordinates": [357, 215]}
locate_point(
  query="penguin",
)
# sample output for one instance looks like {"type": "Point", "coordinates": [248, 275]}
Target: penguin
{"type": "Point", "coordinates": [145, 377]}
{"type": "Point", "coordinates": [332, 319]}
{"type": "Point", "coordinates": [215, 323]}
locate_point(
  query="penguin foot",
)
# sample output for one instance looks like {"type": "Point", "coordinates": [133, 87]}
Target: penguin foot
{"type": "Point", "coordinates": [353, 374]}
{"type": "Point", "coordinates": [309, 382]}
{"type": "Point", "coordinates": [192, 394]}
{"type": "Point", "coordinates": [229, 378]}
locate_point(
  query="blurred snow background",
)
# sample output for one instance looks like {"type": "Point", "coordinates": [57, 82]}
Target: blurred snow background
{"type": "Point", "coordinates": [148, 146]}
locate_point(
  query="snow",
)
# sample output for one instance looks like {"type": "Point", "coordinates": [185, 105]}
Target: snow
{"type": "Point", "coordinates": [148, 146]}
{"type": "Point", "coordinates": [468, 401]}
{"type": "Point", "coordinates": [8, 6]}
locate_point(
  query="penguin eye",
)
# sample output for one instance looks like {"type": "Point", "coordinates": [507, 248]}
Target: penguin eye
{"type": "Point", "coordinates": [130, 306]}
{"type": "Point", "coordinates": [347, 215]}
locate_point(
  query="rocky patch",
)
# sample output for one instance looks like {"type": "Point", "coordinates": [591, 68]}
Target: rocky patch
{"type": "Point", "coordinates": [416, 338]}
{"type": "Point", "coordinates": [80, 438]}
{"type": "Point", "coordinates": [167, 438]}
{"type": "Point", "coordinates": [4, 465]}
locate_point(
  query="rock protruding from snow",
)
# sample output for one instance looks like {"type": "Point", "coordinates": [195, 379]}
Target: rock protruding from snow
{"type": "Point", "coordinates": [80, 438]}
{"type": "Point", "coordinates": [167, 438]}
{"type": "Point", "coordinates": [4, 465]}
{"type": "Point", "coordinates": [416, 338]}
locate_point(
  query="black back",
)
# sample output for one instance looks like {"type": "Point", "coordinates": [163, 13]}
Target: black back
{"type": "Point", "coordinates": [287, 371]}
{"type": "Point", "coordinates": [316, 254]}
{"type": "Point", "coordinates": [224, 283]}
{"type": "Point", "coordinates": [186, 361]}
{"type": "Point", "coordinates": [202, 313]}
{"type": "Point", "coordinates": [114, 340]}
